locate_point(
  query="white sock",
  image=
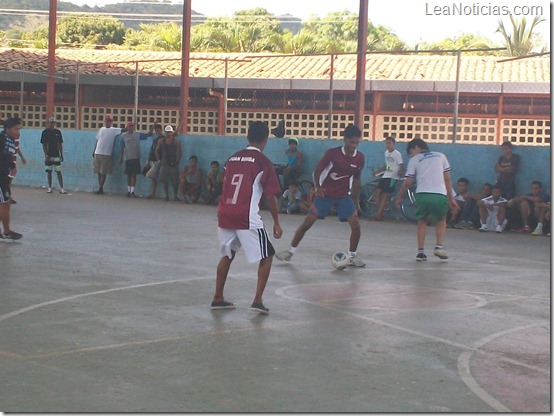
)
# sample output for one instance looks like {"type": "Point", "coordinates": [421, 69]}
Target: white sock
{"type": "Point", "coordinates": [292, 249]}
{"type": "Point", "coordinates": [539, 225]}
{"type": "Point", "coordinates": [132, 189]}
{"type": "Point", "coordinates": [352, 253]}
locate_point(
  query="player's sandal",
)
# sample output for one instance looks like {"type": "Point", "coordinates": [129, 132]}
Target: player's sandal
{"type": "Point", "coordinates": [222, 305]}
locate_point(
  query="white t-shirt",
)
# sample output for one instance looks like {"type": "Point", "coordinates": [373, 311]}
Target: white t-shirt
{"type": "Point", "coordinates": [428, 170]}
{"type": "Point", "coordinates": [393, 160]}
{"type": "Point", "coordinates": [105, 139]}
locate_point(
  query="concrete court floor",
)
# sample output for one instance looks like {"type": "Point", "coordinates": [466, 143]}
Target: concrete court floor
{"type": "Point", "coordinates": [104, 307]}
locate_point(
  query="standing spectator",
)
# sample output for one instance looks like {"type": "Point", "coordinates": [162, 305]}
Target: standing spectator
{"type": "Point", "coordinates": [337, 184]}
{"type": "Point", "coordinates": [154, 166]}
{"type": "Point", "coordinates": [103, 150]}
{"type": "Point", "coordinates": [431, 172]}
{"type": "Point", "coordinates": [130, 149]}
{"type": "Point", "coordinates": [530, 206]}
{"type": "Point", "coordinates": [507, 167]}
{"type": "Point", "coordinates": [249, 174]}
{"type": "Point", "coordinates": [291, 171]}
{"type": "Point", "coordinates": [190, 181]}
{"type": "Point", "coordinates": [8, 137]}
{"type": "Point", "coordinates": [14, 171]}
{"type": "Point", "coordinates": [169, 154]}
{"type": "Point", "coordinates": [52, 145]}
{"type": "Point", "coordinates": [214, 184]}
{"type": "Point", "coordinates": [492, 211]}
{"type": "Point", "coordinates": [291, 199]}
{"type": "Point", "coordinates": [393, 171]}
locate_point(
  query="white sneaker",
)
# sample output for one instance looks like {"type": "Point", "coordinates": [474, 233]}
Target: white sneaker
{"type": "Point", "coordinates": [484, 228]}
{"type": "Point", "coordinates": [355, 261]}
{"type": "Point", "coordinates": [499, 228]}
{"type": "Point", "coordinates": [440, 253]}
{"type": "Point", "coordinates": [63, 191]}
{"type": "Point", "coordinates": [284, 255]}
{"type": "Point", "coordinates": [537, 231]}
{"type": "Point", "coordinates": [49, 190]}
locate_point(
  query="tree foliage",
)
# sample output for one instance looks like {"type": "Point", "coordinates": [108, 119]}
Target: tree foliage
{"type": "Point", "coordinates": [92, 30]}
{"type": "Point", "coordinates": [522, 38]}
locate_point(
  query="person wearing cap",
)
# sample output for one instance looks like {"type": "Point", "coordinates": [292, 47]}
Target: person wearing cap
{"type": "Point", "coordinates": [130, 150]}
{"type": "Point", "coordinates": [293, 168]}
{"type": "Point", "coordinates": [391, 173]}
{"type": "Point", "coordinates": [52, 145]}
{"type": "Point", "coordinates": [103, 150]}
{"type": "Point", "coordinates": [169, 154]}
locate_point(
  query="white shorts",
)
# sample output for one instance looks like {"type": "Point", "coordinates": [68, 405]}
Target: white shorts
{"type": "Point", "coordinates": [255, 242]}
{"type": "Point", "coordinates": [492, 221]}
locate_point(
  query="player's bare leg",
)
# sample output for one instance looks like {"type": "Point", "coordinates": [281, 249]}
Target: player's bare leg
{"type": "Point", "coordinates": [221, 276]}
{"type": "Point", "coordinates": [302, 229]}
{"type": "Point", "coordinates": [264, 269]}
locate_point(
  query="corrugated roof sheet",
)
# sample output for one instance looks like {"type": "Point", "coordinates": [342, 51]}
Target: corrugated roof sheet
{"type": "Point", "coordinates": [211, 65]}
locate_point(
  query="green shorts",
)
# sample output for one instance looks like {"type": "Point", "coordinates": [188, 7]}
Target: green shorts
{"type": "Point", "coordinates": [431, 206]}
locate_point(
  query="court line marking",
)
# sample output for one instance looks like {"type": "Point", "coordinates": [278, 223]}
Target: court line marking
{"type": "Point", "coordinates": [464, 369]}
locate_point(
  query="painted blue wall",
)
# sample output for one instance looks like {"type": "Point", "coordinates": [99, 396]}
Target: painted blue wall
{"type": "Point", "coordinates": [475, 162]}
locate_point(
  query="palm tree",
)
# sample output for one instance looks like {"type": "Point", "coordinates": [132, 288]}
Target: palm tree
{"type": "Point", "coordinates": [522, 40]}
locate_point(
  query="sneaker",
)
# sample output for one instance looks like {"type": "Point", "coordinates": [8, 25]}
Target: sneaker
{"type": "Point", "coordinates": [133, 195]}
{"type": "Point", "coordinates": [523, 230]}
{"type": "Point", "coordinates": [221, 305]}
{"type": "Point", "coordinates": [284, 255]}
{"type": "Point", "coordinates": [12, 235]}
{"type": "Point", "coordinates": [259, 307]}
{"type": "Point", "coordinates": [499, 228]}
{"type": "Point", "coordinates": [63, 191]}
{"type": "Point", "coordinates": [440, 253]}
{"type": "Point", "coordinates": [355, 261]}
{"type": "Point", "coordinates": [49, 191]}
{"type": "Point", "coordinates": [537, 231]}
{"type": "Point", "coordinates": [484, 228]}
{"type": "Point", "coordinates": [99, 192]}
{"type": "Point", "coordinates": [421, 257]}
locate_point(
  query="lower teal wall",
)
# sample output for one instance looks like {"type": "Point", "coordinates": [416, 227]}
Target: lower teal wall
{"type": "Point", "coordinates": [475, 162]}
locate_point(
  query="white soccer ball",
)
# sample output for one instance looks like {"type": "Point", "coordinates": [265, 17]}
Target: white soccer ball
{"type": "Point", "coordinates": [339, 260]}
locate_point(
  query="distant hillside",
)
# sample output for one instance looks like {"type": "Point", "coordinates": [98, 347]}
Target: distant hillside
{"type": "Point", "coordinates": [148, 8]}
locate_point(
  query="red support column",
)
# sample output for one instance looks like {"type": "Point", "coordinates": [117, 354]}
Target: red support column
{"type": "Point", "coordinates": [360, 65]}
{"type": "Point", "coordinates": [50, 80]}
{"type": "Point", "coordinates": [185, 65]}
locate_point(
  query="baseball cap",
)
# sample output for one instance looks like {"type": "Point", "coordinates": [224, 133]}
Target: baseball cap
{"type": "Point", "coordinates": [294, 139]}
{"type": "Point", "coordinates": [130, 124]}
{"type": "Point", "coordinates": [108, 117]}
{"type": "Point", "coordinates": [168, 128]}
{"type": "Point", "coordinates": [52, 120]}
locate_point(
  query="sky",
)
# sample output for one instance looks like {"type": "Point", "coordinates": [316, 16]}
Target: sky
{"type": "Point", "coordinates": [412, 20]}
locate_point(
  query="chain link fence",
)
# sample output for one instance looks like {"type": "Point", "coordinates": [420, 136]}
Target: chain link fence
{"type": "Point", "coordinates": [407, 96]}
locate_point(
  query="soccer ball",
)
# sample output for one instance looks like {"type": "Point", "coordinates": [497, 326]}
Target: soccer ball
{"type": "Point", "coordinates": [339, 260]}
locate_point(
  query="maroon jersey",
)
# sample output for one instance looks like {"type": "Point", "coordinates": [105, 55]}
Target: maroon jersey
{"type": "Point", "coordinates": [338, 171]}
{"type": "Point", "coordinates": [248, 175]}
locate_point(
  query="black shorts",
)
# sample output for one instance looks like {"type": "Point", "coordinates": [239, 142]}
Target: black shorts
{"type": "Point", "coordinates": [132, 167]}
{"type": "Point", "coordinates": [387, 185]}
{"type": "Point", "coordinates": [5, 191]}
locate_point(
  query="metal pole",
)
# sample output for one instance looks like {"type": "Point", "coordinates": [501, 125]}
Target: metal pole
{"type": "Point", "coordinates": [135, 118]}
{"type": "Point", "coordinates": [21, 92]}
{"type": "Point", "coordinates": [456, 97]}
{"type": "Point", "coordinates": [51, 81]}
{"type": "Point", "coordinates": [225, 96]}
{"type": "Point", "coordinates": [185, 65]}
{"type": "Point", "coordinates": [77, 88]}
{"type": "Point", "coordinates": [360, 66]}
{"type": "Point", "coordinates": [331, 96]}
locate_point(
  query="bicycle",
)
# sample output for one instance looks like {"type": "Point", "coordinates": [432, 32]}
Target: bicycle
{"type": "Point", "coordinates": [368, 199]}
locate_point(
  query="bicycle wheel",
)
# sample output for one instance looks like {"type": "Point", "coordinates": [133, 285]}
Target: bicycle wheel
{"type": "Point", "coordinates": [408, 207]}
{"type": "Point", "coordinates": [368, 204]}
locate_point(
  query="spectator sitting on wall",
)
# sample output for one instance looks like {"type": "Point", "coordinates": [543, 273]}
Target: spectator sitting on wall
{"type": "Point", "coordinates": [190, 181]}
{"type": "Point", "coordinates": [291, 171]}
{"type": "Point", "coordinates": [492, 211]}
{"type": "Point", "coordinates": [214, 184]}
{"type": "Point", "coordinates": [530, 207]}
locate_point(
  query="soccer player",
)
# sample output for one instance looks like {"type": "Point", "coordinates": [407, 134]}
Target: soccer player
{"type": "Point", "coordinates": [248, 175]}
{"type": "Point", "coordinates": [337, 184]}
{"type": "Point", "coordinates": [393, 170]}
{"type": "Point", "coordinates": [8, 137]}
{"type": "Point", "coordinates": [52, 145]}
{"type": "Point", "coordinates": [431, 171]}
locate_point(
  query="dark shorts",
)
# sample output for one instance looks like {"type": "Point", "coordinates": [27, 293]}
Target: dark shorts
{"type": "Point", "coordinates": [322, 205]}
{"type": "Point", "coordinates": [5, 192]}
{"type": "Point", "coordinates": [431, 206]}
{"type": "Point", "coordinates": [168, 173]}
{"type": "Point", "coordinates": [386, 185]}
{"type": "Point", "coordinates": [132, 167]}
